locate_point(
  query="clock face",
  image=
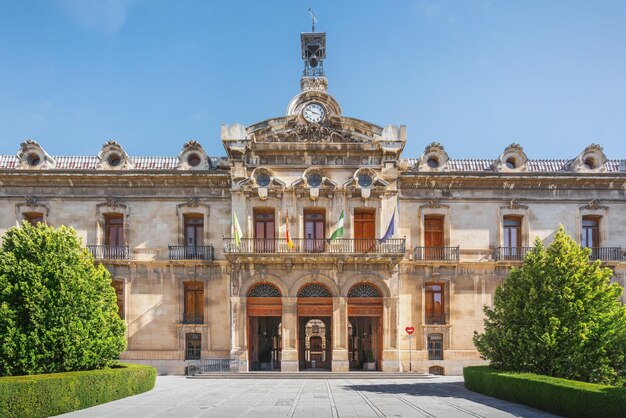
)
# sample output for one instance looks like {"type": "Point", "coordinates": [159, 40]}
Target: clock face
{"type": "Point", "coordinates": [313, 113]}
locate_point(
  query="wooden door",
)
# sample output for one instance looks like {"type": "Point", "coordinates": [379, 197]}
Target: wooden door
{"type": "Point", "coordinates": [433, 238]}
{"type": "Point", "coordinates": [364, 231]}
{"type": "Point", "coordinates": [264, 230]}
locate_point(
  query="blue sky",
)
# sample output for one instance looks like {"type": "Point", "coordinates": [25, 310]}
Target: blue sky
{"type": "Point", "coordinates": [475, 75]}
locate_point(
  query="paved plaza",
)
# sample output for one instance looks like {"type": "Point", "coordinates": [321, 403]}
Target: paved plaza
{"type": "Point", "coordinates": [176, 396]}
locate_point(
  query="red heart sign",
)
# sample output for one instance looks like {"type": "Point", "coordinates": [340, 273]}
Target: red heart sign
{"type": "Point", "coordinates": [409, 330]}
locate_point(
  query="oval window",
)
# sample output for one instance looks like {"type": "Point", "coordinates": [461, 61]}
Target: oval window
{"type": "Point", "coordinates": [433, 162]}
{"type": "Point", "coordinates": [365, 180]}
{"type": "Point", "coordinates": [193, 160]}
{"type": "Point", "coordinates": [314, 180]}
{"type": "Point", "coordinates": [590, 163]}
{"type": "Point", "coordinates": [33, 159]}
{"type": "Point", "coordinates": [263, 180]}
{"type": "Point", "coordinates": [511, 163]}
{"type": "Point", "coordinates": [114, 160]}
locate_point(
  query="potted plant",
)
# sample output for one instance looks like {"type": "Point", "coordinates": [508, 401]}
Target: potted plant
{"type": "Point", "coordinates": [369, 364]}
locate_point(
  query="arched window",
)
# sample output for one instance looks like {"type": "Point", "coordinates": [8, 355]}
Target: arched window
{"type": "Point", "coordinates": [364, 290]}
{"type": "Point", "coordinates": [314, 290]}
{"type": "Point", "coordinates": [264, 290]}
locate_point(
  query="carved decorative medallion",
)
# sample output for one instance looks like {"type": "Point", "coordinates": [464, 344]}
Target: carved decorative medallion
{"type": "Point", "coordinates": [364, 290]}
{"type": "Point", "coordinates": [313, 290]}
{"type": "Point", "coordinates": [264, 290]}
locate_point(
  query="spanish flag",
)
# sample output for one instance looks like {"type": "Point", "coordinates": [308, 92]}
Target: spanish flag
{"type": "Point", "coordinates": [289, 241]}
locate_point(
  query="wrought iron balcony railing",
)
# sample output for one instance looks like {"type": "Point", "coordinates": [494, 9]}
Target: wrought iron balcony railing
{"type": "Point", "coordinates": [193, 318]}
{"type": "Point", "coordinates": [606, 254]}
{"type": "Point", "coordinates": [110, 252]}
{"type": "Point", "coordinates": [435, 319]}
{"type": "Point", "coordinates": [437, 253]}
{"type": "Point", "coordinates": [304, 245]}
{"type": "Point", "coordinates": [510, 253]}
{"type": "Point", "coordinates": [198, 252]}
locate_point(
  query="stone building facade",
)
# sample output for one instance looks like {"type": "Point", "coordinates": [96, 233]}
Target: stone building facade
{"type": "Point", "coordinates": [425, 240]}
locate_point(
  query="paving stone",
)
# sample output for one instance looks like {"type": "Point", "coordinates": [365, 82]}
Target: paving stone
{"type": "Point", "coordinates": [176, 396]}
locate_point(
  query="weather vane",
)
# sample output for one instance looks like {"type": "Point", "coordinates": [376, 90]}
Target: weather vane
{"type": "Point", "coordinates": [313, 18]}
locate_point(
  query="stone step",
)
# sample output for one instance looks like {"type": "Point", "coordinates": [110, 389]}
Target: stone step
{"type": "Point", "coordinates": [314, 375]}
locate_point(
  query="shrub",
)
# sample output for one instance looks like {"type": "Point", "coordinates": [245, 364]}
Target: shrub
{"type": "Point", "coordinates": [58, 393]}
{"type": "Point", "coordinates": [58, 311]}
{"type": "Point", "coordinates": [558, 315]}
{"type": "Point", "coordinates": [564, 397]}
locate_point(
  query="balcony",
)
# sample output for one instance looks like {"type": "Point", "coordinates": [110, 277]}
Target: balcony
{"type": "Point", "coordinates": [435, 319]}
{"type": "Point", "coordinates": [395, 246]}
{"type": "Point", "coordinates": [606, 254]}
{"type": "Point", "coordinates": [198, 252]}
{"type": "Point", "coordinates": [193, 318]}
{"type": "Point", "coordinates": [437, 253]}
{"type": "Point", "coordinates": [510, 253]}
{"type": "Point", "coordinates": [110, 252]}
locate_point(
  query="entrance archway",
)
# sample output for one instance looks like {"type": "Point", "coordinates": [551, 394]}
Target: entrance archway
{"type": "Point", "coordinates": [264, 308]}
{"type": "Point", "coordinates": [315, 312]}
{"type": "Point", "coordinates": [365, 331]}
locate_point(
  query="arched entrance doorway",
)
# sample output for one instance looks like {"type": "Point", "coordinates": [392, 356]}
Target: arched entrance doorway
{"type": "Point", "coordinates": [315, 312]}
{"type": "Point", "coordinates": [264, 309]}
{"type": "Point", "coordinates": [365, 332]}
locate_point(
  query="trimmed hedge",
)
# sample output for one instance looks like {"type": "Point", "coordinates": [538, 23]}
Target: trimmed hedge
{"type": "Point", "coordinates": [57, 393]}
{"type": "Point", "coordinates": [568, 398]}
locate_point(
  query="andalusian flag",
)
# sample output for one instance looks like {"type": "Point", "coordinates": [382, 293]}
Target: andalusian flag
{"type": "Point", "coordinates": [337, 230]}
{"type": "Point", "coordinates": [235, 230]}
{"type": "Point", "coordinates": [289, 241]}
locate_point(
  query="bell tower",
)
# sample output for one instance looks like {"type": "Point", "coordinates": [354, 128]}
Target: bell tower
{"type": "Point", "coordinates": [313, 45]}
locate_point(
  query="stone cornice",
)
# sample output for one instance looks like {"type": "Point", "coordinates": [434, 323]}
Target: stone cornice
{"type": "Point", "coordinates": [127, 179]}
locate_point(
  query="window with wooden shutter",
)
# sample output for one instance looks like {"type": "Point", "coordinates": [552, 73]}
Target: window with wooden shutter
{"type": "Point", "coordinates": [118, 285]}
{"type": "Point", "coordinates": [33, 218]}
{"type": "Point", "coordinates": [434, 238]}
{"type": "Point", "coordinates": [590, 232]}
{"type": "Point", "coordinates": [194, 303]}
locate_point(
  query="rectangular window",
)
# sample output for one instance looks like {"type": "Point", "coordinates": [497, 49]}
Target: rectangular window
{"type": "Point", "coordinates": [194, 303]}
{"type": "Point", "coordinates": [114, 229]}
{"type": "Point", "coordinates": [364, 230]}
{"type": "Point", "coordinates": [590, 235]}
{"type": "Point", "coordinates": [314, 231]}
{"type": "Point", "coordinates": [193, 343]}
{"type": "Point", "coordinates": [118, 285]}
{"type": "Point", "coordinates": [435, 346]}
{"type": "Point", "coordinates": [264, 229]}
{"type": "Point", "coordinates": [434, 306]}
{"type": "Point", "coordinates": [33, 218]}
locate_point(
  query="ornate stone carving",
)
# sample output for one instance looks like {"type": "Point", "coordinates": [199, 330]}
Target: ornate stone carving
{"type": "Point", "coordinates": [514, 203]}
{"type": "Point", "coordinates": [30, 200]}
{"type": "Point", "coordinates": [593, 204]}
{"type": "Point", "coordinates": [192, 201]}
{"type": "Point", "coordinates": [434, 203]}
{"type": "Point", "coordinates": [110, 201]}
{"type": "Point", "coordinates": [313, 83]}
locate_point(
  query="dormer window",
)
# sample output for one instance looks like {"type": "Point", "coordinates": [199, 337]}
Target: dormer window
{"type": "Point", "coordinates": [263, 180]}
{"type": "Point", "coordinates": [114, 160]}
{"type": "Point", "coordinates": [193, 160]}
{"type": "Point", "coordinates": [590, 164]}
{"type": "Point", "coordinates": [433, 162]}
{"type": "Point", "coordinates": [511, 163]}
{"type": "Point", "coordinates": [33, 159]}
{"type": "Point", "coordinates": [365, 180]}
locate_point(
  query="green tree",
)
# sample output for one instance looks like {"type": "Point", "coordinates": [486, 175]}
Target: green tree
{"type": "Point", "coordinates": [558, 315]}
{"type": "Point", "coordinates": [58, 311]}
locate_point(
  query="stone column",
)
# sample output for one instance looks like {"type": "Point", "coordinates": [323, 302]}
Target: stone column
{"type": "Point", "coordinates": [238, 331]}
{"type": "Point", "coordinates": [340, 361]}
{"type": "Point", "coordinates": [391, 354]}
{"type": "Point", "coordinates": [289, 362]}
